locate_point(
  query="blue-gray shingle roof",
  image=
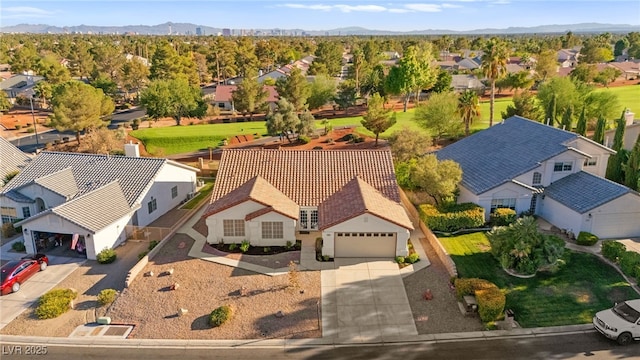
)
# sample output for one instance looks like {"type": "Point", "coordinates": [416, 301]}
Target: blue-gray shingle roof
{"type": "Point", "coordinates": [583, 191]}
{"type": "Point", "coordinates": [11, 158]}
{"type": "Point", "coordinates": [499, 154]}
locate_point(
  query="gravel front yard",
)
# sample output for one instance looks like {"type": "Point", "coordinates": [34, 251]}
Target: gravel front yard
{"type": "Point", "coordinates": [203, 286]}
{"type": "Point", "coordinates": [440, 314]}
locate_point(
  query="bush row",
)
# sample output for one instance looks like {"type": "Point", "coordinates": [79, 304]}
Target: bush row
{"type": "Point", "coordinates": [502, 217]}
{"type": "Point", "coordinates": [55, 303]}
{"type": "Point", "coordinates": [586, 238]}
{"type": "Point", "coordinates": [629, 261]}
{"type": "Point", "coordinates": [453, 217]}
{"type": "Point", "coordinates": [491, 300]}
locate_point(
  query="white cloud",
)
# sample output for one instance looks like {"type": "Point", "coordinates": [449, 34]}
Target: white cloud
{"type": "Point", "coordinates": [424, 7]}
{"type": "Point", "coordinates": [450, 6]}
{"type": "Point", "coordinates": [363, 8]}
{"type": "Point", "coordinates": [25, 12]}
{"type": "Point", "coordinates": [501, 2]}
{"type": "Point", "coordinates": [397, 9]}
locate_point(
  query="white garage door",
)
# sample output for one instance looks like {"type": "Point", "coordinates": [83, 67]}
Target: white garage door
{"type": "Point", "coordinates": [616, 225]}
{"type": "Point", "coordinates": [369, 245]}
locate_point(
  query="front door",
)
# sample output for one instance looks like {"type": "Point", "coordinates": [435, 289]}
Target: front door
{"type": "Point", "coordinates": [308, 220]}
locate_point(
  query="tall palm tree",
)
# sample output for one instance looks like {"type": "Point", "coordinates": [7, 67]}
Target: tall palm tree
{"type": "Point", "coordinates": [469, 107]}
{"type": "Point", "coordinates": [494, 66]}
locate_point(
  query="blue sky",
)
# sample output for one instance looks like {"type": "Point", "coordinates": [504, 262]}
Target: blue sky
{"type": "Point", "coordinates": [322, 15]}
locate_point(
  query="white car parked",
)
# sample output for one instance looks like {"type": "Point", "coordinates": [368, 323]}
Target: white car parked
{"type": "Point", "coordinates": [621, 322]}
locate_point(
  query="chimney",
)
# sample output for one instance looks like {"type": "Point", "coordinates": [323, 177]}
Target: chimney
{"type": "Point", "coordinates": [628, 117]}
{"type": "Point", "coordinates": [131, 149]}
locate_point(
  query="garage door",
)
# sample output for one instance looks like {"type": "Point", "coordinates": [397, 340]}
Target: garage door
{"type": "Point", "coordinates": [365, 245]}
{"type": "Point", "coordinates": [616, 225]}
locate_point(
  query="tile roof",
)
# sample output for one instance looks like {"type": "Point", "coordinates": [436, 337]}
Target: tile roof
{"type": "Point", "coordinates": [308, 177]}
{"type": "Point", "coordinates": [261, 191]}
{"type": "Point", "coordinates": [11, 158]}
{"type": "Point", "coordinates": [224, 93]}
{"type": "Point", "coordinates": [357, 198]}
{"type": "Point", "coordinates": [499, 154]}
{"type": "Point", "coordinates": [582, 191]}
{"type": "Point", "coordinates": [61, 182]}
{"type": "Point", "coordinates": [92, 171]}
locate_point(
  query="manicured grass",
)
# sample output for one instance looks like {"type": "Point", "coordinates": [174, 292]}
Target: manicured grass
{"type": "Point", "coordinates": [629, 96]}
{"type": "Point", "coordinates": [583, 286]}
{"type": "Point", "coordinates": [204, 192]}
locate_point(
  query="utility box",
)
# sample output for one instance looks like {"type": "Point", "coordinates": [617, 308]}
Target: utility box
{"type": "Point", "coordinates": [104, 320]}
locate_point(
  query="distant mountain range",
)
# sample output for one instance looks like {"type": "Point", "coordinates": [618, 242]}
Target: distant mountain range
{"type": "Point", "coordinates": [191, 29]}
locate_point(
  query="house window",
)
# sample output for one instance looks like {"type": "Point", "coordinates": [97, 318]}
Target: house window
{"type": "Point", "coordinates": [590, 162]}
{"type": "Point", "coordinates": [537, 178]}
{"type": "Point", "coordinates": [272, 230]}
{"type": "Point", "coordinates": [509, 203]}
{"type": "Point", "coordinates": [233, 227]}
{"type": "Point", "coordinates": [9, 214]}
{"type": "Point", "coordinates": [174, 192]}
{"type": "Point", "coordinates": [303, 219]}
{"type": "Point", "coordinates": [314, 219]}
{"type": "Point", "coordinates": [562, 166]}
{"type": "Point", "coordinates": [221, 105]}
{"type": "Point", "coordinates": [26, 212]}
{"type": "Point", "coordinates": [152, 205]}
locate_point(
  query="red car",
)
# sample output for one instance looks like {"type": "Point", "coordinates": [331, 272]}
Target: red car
{"type": "Point", "coordinates": [15, 273]}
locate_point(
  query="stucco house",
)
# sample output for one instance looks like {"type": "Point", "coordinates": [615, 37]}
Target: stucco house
{"type": "Point", "coordinates": [223, 97]}
{"type": "Point", "coordinates": [350, 198]}
{"type": "Point", "coordinates": [559, 175]}
{"type": "Point", "coordinates": [92, 198]}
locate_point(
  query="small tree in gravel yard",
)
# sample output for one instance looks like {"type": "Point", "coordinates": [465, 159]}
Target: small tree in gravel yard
{"type": "Point", "coordinates": [378, 119]}
{"type": "Point", "coordinates": [522, 248]}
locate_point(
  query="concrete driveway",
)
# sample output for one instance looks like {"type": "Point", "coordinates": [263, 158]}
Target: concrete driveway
{"type": "Point", "coordinates": [364, 300]}
{"type": "Point", "coordinates": [14, 304]}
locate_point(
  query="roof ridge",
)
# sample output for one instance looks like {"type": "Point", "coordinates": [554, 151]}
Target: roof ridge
{"type": "Point", "coordinates": [82, 196]}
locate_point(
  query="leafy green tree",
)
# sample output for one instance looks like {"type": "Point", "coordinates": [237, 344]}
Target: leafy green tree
{"type": "Point", "coordinates": [24, 58]}
{"type": "Point", "coordinates": [43, 91]}
{"type": "Point", "coordinates": [469, 107]}
{"type": "Point", "coordinates": [173, 98]}
{"type": "Point", "coordinates": [5, 104]}
{"type": "Point", "coordinates": [581, 128]}
{"type": "Point", "coordinates": [439, 179]}
{"type": "Point", "coordinates": [163, 62]}
{"type": "Point", "coordinates": [607, 76]}
{"type": "Point", "coordinates": [596, 49]}
{"type": "Point", "coordinates": [80, 60]}
{"type": "Point", "coordinates": [321, 91]}
{"type": "Point", "coordinates": [109, 60]}
{"type": "Point", "coordinates": [516, 81]}
{"type": "Point", "coordinates": [413, 74]}
{"type": "Point", "coordinates": [615, 163]}
{"type": "Point", "coordinates": [443, 82]}
{"type": "Point", "coordinates": [294, 88]}
{"type": "Point", "coordinates": [407, 144]}
{"type": "Point", "coordinates": [221, 59]}
{"type": "Point", "coordinates": [524, 105]}
{"type": "Point", "coordinates": [567, 119]}
{"type": "Point", "coordinates": [245, 57]}
{"type": "Point", "coordinates": [584, 72]}
{"type": "Point", "coordinates": [620, 46]}
{"type": "Point", "coordinates": [307, 124]}
{"type": "Point", "coordinates": [547, 65]}
{"type": "Point", "coordinates": [494, 67]}
{"type": "Point", "coordinates": [284, 121]}
{"type": "Point", "coordinates": [601, 126]}
{"type": "Point", "coordinates": [440, 116]}
{"type": "Point", "coordinates": [378, 119]}
{"type": "Point", "coordinates": [249, 96]}
{"type": "Point", "coordinates": [564, 92]}
{"type": "Point", "coordinates": [358, 68]}
{"type": "Point", "coordinates": [346, 95]}
{"type": "Point", "coordinates": [605, 104]}
{"type": "Point", "coordinates": [79, 107]}
{"type": "Point", "coordinates": [522, 248]}
{"type": "Point", "coordinates": [108, 86]}
{"type": "Point", "coordinates": [329, 59]}
{"type": "Point", "coordinates": [632, 168]}
{"type": "Point", "coordinates": [49, 66]}
{"type": "Point", "coordinates": [551, 111]}
{"type": "Point", "coordinates": [135, 75]}
{"type": "Point", "coordinates": [374, 82]}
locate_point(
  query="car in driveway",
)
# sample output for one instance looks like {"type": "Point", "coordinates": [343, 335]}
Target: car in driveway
{"type": "Point", "coordinates": [14, 273]}
{"type": "Point", "coordinates": [621, 322]}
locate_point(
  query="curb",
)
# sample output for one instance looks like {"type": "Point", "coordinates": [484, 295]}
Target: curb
{"type": "Point", "coordinates": [295, 343]}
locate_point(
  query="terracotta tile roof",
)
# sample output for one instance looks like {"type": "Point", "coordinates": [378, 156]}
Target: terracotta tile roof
{"type": "Point", "coordinates": [308, 177]}
{"type": "Point", "coordinates": [261, 191]}
{"type": "Point", "coordinates": [224, 92]}
{"type": "Point", "coordinates": [357, 198]}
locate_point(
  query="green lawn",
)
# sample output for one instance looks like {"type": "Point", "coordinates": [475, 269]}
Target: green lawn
{"type": "Point", "coordinates": [583, 286]}
{"type": "Point", "coordinates": [629, 96]}
{"type": "Point", "coordinates": [205, 191]}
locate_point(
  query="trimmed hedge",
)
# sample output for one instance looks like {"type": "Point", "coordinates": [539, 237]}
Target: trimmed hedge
{"type": "Point", "coordinates": [613, 250]}
{"type": "Point", "coordinates": [107, 296]}
{"type": "Point", "coordinates": [412, 258]}
{"type": "Point", "coordinates": [630, 263]}
{"type": "Point", "coordinates": [55, 303]}
{"type": "Point", "coordinates": [491, 300]}
{"type": "Point", "coordinates": [453, 217]}
{"type": "Point", "coordinates": [502, 217]}
{"type": "Point", "coordinates": [220, 315]}
{"type": "Point", "coordinates": [586, 238]}
{"type": "Point", "coordinates": [106, 256]}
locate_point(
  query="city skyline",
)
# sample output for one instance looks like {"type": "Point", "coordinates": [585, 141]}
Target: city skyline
{"type": "Point", "coordinates": [459, 15]}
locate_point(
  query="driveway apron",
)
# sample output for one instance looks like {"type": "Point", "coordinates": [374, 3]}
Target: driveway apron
{"type": "Point", "coordinates": [364, 300]}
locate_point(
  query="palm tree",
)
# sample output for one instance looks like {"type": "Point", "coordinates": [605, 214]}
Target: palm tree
{"type": "Point", "coordinates": [469, 107]}
{"type": "Point", "coordinates": [494, 67]}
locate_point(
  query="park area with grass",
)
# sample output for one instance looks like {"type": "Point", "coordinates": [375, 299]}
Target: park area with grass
{"type": "Point", "coordinates": [581, 287]}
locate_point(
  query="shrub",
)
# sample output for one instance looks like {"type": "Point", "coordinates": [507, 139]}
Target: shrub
{"type": "Point", "coordinates": [18, 246]}
{"type": "Point", "coordinates": [452, 218]}
{"type": "Point", "coordinates": [266, 249]}
{"type": "Point", "coordinates": [153, 244]}
{"type": "Point", "coordinates": [468, 286]}
{"type": "Point", "coordinates": [413, 258]}
{"type": "Point", "coordinates": [233, 246]}
{"type": "Point", "coordinates": [586, 238]}
{"type": "Point", "coordinates": [220, 315]}
{"type": "Point", "coordinates": [491, 300]}
{"type": "Point", "coordinates": [502, 217]}
{"type": "Point", "coordinates": [55, 303]}
{"type": "Point", "coordinates": [325, 258]}
{"type": "Point", "coordinates": [613, 250]}
{"type": "Point", "coordinates": [107, 296]}
{"type": "Point", "coordinates": [289, 245]}
{"type": "Point", "coordinates": [7, 229]}
{"type": "Point", "coordinates": [106, 256]}
{"type": "Point", "coordinates": [244, 247]}
{"type": "Point", "coordinates": [18, 126]}
{"type": "Point", "coordinates": [400, 259]}
{"type": "Point", "coordinates": [302, 139]}
{"type": "Point", "coordinates": [629, 261]}
{"type": "Point", "coordinates": [142, 254]}
{"type": "Point", "coordinates": [30, 130]}
{"type": "Point", "coordinates": [318, 244]}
